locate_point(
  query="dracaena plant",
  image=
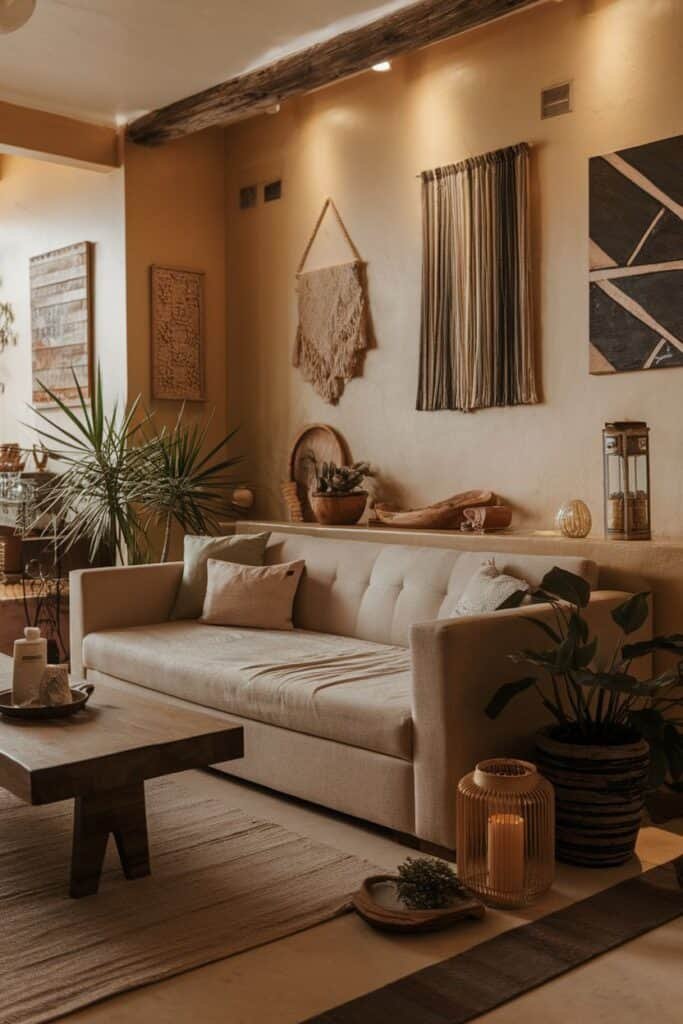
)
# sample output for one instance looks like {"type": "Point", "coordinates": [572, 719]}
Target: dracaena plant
{"type": "Point", "coordinates": [594, 697]}
{"type": "Point", "coordinates": [120, 476]}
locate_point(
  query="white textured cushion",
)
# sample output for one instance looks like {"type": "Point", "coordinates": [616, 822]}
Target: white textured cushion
{"type": "Point", "coordinates": [259, 598]}
{"type": "Point", "coordinates": [246, 549]}
{"type": "Point", "coordinates": [333, 687]}
{"type": "Point", "coordinates": [488, 589]}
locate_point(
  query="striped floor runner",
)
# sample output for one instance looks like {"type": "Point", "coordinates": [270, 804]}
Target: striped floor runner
{"type": "Point", "coordinates": [474, 982]}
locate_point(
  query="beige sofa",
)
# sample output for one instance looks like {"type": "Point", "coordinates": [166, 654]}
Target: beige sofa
{"type": "Point", "coordinates": [374, 704]}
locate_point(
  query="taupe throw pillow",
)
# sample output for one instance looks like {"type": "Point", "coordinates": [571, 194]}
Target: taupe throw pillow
{"type": "Point", "coordinates": [237, 595]}
{"type": "Point", "coordinates": [488, 589]}
{"type": "Point", "coordinates": [245, 549]}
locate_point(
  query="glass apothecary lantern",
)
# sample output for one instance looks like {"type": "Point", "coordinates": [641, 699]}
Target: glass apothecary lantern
{"type": "Point", "coordinates": [505, 832]}
{"type": "Point", "coordinates": [626, 457]}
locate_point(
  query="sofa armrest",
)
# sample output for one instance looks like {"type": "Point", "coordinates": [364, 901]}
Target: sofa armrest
{"type": "Point", "coordinates": [116, 597]}
{"type": "Point", "coordinates": [458, 664]}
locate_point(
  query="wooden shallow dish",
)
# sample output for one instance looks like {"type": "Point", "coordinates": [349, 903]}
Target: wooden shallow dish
{"type": "Point", "coordinates": [377, 903]}
{"type": "Point", "coordinates": [79, 694]}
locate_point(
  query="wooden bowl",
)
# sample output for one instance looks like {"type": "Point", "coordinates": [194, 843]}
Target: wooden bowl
{"type": "Point", "coordinates": [377, 903]}
{"type": "Point", "coordinates": [79, 698]}
{"type": "Point", "coordinates": [338, 509]}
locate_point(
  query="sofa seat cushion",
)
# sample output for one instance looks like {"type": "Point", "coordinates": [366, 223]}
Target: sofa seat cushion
{"type": "Point", "coordinates": [339, 688]}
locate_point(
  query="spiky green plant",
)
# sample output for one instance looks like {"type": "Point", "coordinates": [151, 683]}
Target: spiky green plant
{"type": "Point", "coordinates": [174, 479]}
{"type": "Point", "coordinates": [121, 476]}
{"type": "Point", "coordinates": [89, 497]}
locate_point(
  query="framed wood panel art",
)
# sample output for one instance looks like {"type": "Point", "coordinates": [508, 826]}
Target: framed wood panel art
{"type": "Point", "coordinates": [61, 323]}
{"type": "Point", "coordinates": [636, 258]}
{"type": "Point", "coordinates": [178, 334]}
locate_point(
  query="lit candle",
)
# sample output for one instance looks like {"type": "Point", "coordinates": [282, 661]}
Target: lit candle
{"type": "Point", "coordinates": [505, 852]}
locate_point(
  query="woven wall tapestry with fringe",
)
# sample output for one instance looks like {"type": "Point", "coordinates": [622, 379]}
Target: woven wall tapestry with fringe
{"type": "Point", "coordinates": [333, 331]}
{"type": "Point", "coordinates": [476, 346]}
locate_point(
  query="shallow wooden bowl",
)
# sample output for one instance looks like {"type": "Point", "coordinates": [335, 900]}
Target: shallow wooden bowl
{"type": "Point", "coordinates": [79, 698]}
{"type": "Point", "coordinates": [377, 903]}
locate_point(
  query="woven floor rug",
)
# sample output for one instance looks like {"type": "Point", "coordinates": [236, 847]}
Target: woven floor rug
{"type": "Point", "coordinates": [221, 883]}
{"type": "Point", "coordinates": [475, 982]}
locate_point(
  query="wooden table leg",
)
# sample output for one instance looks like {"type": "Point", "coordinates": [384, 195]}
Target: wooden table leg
{"type": "Point", "coordinates": [120, 812]}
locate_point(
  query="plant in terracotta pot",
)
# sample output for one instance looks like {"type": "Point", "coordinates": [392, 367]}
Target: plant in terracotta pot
{"type": "Point", "coordinates": [614, 736]}
{"type": "Point", "coordinates": [338, 498]}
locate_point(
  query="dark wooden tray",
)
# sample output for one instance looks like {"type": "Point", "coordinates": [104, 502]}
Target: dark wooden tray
{"type": "Point", "coordinates": [377, 903]}
{"type": "Point", "coordinates": [80, 696]}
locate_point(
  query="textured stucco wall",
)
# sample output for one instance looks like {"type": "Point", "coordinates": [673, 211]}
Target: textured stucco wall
{"type": "Point", "coordinates": [362, 142]}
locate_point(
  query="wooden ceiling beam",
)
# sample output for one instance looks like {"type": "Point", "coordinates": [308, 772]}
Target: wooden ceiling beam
{"type": "Point", "coordinates": [346, 54]}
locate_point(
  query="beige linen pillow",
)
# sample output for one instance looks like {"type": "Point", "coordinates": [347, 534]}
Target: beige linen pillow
{"type": "Point", "coordinates": [488, 589]}
{"type": "Point", "coordinates": [237, 595]}
{"type": "Point", "coordinates": [245, 549]}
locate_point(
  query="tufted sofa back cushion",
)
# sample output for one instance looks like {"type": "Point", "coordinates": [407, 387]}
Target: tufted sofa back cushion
{"type": "Point", "coordinates": [377, 591]}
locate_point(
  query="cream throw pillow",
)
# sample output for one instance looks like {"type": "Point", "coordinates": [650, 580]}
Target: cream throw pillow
{"type": "Point", "coordinates": [246, 549]}
{"type": "Point", "coordinates": [488, 590]}
{"type": "Point", "coordinates": [237, 595]}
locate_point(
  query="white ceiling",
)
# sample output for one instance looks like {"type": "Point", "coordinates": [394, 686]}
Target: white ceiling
{"type": "Point", "coordinates": [110, 60]}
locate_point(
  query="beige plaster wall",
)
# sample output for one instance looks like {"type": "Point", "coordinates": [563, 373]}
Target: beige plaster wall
{"type": "Point", "coordinates": [363, 142]}
{"type": "Point", "coordinates": [175, 217]}
{"type": "Point", "coordinates": [44, 206]}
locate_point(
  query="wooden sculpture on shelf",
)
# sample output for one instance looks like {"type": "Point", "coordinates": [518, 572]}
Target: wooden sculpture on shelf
{"type": "Point", "coordinates": [443, 515]}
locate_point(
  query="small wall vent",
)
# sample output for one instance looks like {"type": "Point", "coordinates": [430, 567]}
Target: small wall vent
{"type": "Point", "coordinates": [272, 191]}
{"type": "Point", "coordinates": [556, 100]}
{"type": "Point", "coordinates": [248, 197]}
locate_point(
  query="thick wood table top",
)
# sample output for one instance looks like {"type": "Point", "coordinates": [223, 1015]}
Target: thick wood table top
{"type": "Point", "coordinates": [118, 740]}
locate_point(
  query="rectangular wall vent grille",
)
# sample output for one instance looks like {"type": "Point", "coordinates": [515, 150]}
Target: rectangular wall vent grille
{"type": "Point", "coordinates": [556, 100]}
{"type": "Point", "coordinates": [248, 197]}
{"type": "Point", "coordinates": [272, 191]}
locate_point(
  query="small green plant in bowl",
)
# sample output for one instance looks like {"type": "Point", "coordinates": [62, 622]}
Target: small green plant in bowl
{"type": "Point", "coordinates": [427, 884]}
{"type": "Point", "coordinates": [331, 479]}
{"type": "Point", "coordinates": [338, 498]}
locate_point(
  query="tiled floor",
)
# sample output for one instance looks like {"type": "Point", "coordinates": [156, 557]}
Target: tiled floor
{"type": "Point", "coordinates": [289, 980]}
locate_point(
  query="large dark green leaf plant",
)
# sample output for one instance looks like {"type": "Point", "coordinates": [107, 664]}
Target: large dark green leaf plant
{"type": "Point", "coordinates": [595, 699]}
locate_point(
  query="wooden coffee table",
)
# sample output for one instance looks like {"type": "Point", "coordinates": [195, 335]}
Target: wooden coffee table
{"type": "Point", "coordinates": [101, 757]}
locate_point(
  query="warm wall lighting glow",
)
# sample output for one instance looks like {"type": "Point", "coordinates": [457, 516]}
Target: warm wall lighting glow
{"type": "Point", "coordinates": [14, 14]}
{"type": "Point", "coordinates": [384, 65]}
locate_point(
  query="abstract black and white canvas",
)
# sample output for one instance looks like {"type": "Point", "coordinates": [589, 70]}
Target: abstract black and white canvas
{"type": "Point", "coordinates": [636, 258]}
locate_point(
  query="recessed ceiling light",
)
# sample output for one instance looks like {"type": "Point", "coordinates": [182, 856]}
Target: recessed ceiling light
{"type": "Point", "coordinates": [14, 14]}
{"type": "Point", "coordinates": [384, 65]}
{"type": "Point", "coordinates": [274, 109]}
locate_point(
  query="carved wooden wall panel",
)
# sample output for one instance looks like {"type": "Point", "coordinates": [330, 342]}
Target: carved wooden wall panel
{"type": "Point", "coordinates": [178, 334]}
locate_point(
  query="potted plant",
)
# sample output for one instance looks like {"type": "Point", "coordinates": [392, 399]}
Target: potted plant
{"type": "Point", "coordinates": [120, 476]}
{"type": "Point", "coordinates": [338, 499]}
{"type": "Point", "coordinates": [614, 736]}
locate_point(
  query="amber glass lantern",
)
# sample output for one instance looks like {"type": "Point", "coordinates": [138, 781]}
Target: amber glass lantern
{"type": "Point", "coordinates": [505, 832]}
{"type": "Point", "coordinates": [626, 454]}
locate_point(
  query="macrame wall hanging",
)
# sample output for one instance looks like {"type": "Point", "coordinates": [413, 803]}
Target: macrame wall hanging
{"type": "Point", "coordinates": [333, 331]}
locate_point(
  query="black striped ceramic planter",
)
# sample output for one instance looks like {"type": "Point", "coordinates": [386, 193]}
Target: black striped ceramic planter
{"type": "Point", "coordinates": [599, 796]}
